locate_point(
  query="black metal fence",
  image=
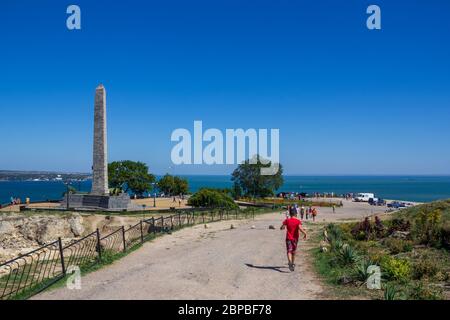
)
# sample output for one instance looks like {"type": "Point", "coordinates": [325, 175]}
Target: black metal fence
{"type": "Point", "coordinates": [35, 271]}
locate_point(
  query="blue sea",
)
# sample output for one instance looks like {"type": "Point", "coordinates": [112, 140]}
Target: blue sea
{"type": "Point", "coordinates": [408, 188]}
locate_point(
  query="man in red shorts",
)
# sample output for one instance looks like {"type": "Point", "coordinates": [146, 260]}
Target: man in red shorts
{"type": "Point", "coordinates": [293, 228]}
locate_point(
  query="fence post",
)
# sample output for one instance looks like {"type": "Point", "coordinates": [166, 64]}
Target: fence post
{"type": "Point", "coordinates": [99, 245]}
{"type": "Point", "coordinates": [142, 232]}
{"type": "Point", "coordinates": [61, 254]}
{"type": "Point", "coordinates": [171, 222]}
{"type": "Point", "coordinates": [203, 216]}
{"type": "Point", "coordinates": [124, 241]}
{"type": "Point", "coordinates": [236, 212]}
{"type": "Point", "coordinates": [153, 225]}
{"type": "Point", "coordinates": [162, 224]}
{"type": "Point", "coordinates": [179, 220]}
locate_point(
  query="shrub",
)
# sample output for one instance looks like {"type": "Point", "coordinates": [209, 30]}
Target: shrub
{"type": "Point", "coordinates": [379, 228]}
{"type": "Point", "coordinates": [212, 199]}
{"type": "Point", "coordinates": [423, 291]}
{"type": "Point", "coordinates": [399, 224]}
{"type": "Point", "coordinates": [359, 235]}
{"type": "Point", "coordinates": [445, 236]}
{"type": "Point", "coordinates": [425, 267]}
{"type": "Point", "coordinates": [376, 255]}
{"type": "Point", "coordinates": [396, 269]}
{"type": "Point", "coordinates": [428, 228]}
{"type": "Point", "coordinates": [363, 230]}
{"type": "Point", "coordinates": [397, 246]}
{"type": "Point", "coordinates": [346, 230]}
{"type": "Point", "coordinates": [334, 232]}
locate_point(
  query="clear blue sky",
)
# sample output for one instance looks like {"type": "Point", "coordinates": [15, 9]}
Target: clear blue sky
{"type": "Point", "coordinates": [346, 100]}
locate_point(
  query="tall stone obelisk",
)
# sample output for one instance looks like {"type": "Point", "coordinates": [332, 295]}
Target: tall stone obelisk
{"type": "Point", "coordinates": [100, 164]}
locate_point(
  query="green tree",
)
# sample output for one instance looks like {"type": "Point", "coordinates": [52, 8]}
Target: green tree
{"type": "Point", "coordinates": [171, 185]}
{"type": "Point", "coordinates": [130, 176]}
{"type": "Point", "coordinates": [210, 198]}
{"type": "Point", "coordinates": [166, 184]}
{"type": "Point", "coordinates": [249, 181]}
{"type": "Point", "coordinates": [181, 185]}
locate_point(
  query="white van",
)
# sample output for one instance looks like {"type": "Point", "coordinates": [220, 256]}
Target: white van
{"type": "Point", "coordinates": [364, 197]}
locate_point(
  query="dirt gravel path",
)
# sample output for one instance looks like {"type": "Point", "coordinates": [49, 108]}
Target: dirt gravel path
{"type": "Point", "coordinates": [199, 263]}
{"type": "Point", "coordinates": [213, 263]}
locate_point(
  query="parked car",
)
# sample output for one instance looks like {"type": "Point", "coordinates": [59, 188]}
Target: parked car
{"type": "Point", "coordinates": [396, 205]}
{"type": "Point", "coordinates": [377, 202]}
{"type": "Point", "coordinates": [364, 197]}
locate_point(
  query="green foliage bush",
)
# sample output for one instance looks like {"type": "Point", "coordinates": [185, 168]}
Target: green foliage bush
{"type": "Point", "coordinates": [209, 198]}
{"type": "Point", "coordinates": [346, 230]}
{"type": "Point", "coordinates": [428, 227]}
{"type": "Point", "coordinates": [423, 291]}
{"type": "Point", "coordinates": [399, 224]}
{"type": "Point", "coordinates": [396, 269]}
{"type": "Point", "coordinates": [363, 230]}
{"type": "Point", "coordinates": [397, 246]}
{"type": "Point", "coordinates": [445, 236]}
{"type": "Point", "coordinates": [425, 268]}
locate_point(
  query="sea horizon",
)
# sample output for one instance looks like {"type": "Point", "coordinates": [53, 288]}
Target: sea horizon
{"type": "Point", "coordinates": [417, 188]}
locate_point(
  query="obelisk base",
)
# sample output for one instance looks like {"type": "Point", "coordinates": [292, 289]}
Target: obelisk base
{"type": "Point", "coordinates": [93, 202]}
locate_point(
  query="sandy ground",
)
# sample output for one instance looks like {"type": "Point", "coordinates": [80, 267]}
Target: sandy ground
{"type": "Point", "coordinates": [214, 263]}
{"type": "Point", "coordinates": [161, 203]}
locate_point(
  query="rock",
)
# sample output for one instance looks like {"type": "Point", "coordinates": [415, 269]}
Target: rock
{"type": "Point", "coordinates": [325, 235]}
{"type": "Point", "coordinates": [29, 230]}
{"type": "Point", "coordinates": [206, 226]}
{"type": "Point", "coordinates": [6, 227]}
{"type": "Point", "coordinates": [3, 255]}
{"type": "Point", "coordinates": [253, 227]}
{"type": "Point", "coordinates": [400, 234]}
{"type": "Point", "coordinates": [324, 246]}
{"type": "Point", "coordinates": [76, 224]}
{"type": "Point", "coordinates": [345, 280]}
{"type": "Point", "coordinates": [231, 227]}
{"type": "Point", "coordinates": [52, 230]}
{"type": "Point", "coordinates": [271, 227]}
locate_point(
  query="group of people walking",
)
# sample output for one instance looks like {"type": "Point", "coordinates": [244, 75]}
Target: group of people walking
{"type": "Point", "coordinates": [303, 212]}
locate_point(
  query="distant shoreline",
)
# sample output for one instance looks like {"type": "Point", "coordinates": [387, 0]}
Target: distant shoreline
{"type": "Point", "coordinates": [408, 188]}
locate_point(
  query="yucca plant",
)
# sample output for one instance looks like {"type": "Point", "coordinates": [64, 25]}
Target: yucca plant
{"type": "Point", "coordinates": [390, 292]}
{"type": "Point", "coordinates": [337, 245]}
{"type": "Point", "coordinates": [334, 232]}
{"type": "Point", "coordinates": [347, 255]}
{"type": "Point", "coordinates": [361, 269]}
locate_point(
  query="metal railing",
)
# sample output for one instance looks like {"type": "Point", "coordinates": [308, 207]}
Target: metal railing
{"type": "Point", "coordinates": [31, 273]}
